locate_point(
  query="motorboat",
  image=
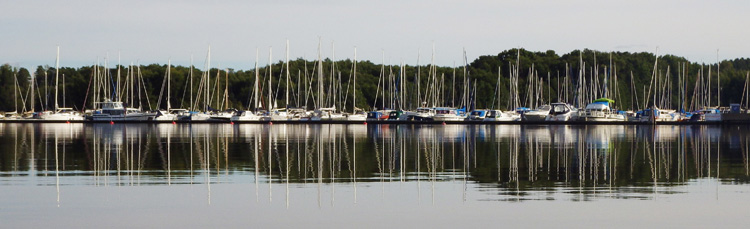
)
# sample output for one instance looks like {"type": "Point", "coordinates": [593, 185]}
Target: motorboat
{"type": "Point", "coordinates": [538, 115]}
{"type": "Point", "coordinates": [443, 114]}
{"type": "Point", "coordinates": [246, 116]}
{"type": "Point", "coordinates": [478, 115]}
{"type": "Point", "coordinates": [562, 112]}
{"type": "Point", "coordinates": [115, 111]}
{"type": "Point", "coordinates": [423, 114]}
{"type": "Point", "coordinates": [657, 115]}
{"type": "Point", "coordinates": [500, 116]}
{"type": "Point", "coordinates": [600, 111]}
{"type": "Point", "coordinates": [706, 115]}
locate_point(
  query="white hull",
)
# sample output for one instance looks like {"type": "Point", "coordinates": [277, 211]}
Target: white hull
{"type": "Point", "coordinates": [223, 116]}
{"type": "Point", "coordinates": [246, 116]}
{"type": "Point", "coordinates": [199, 117]}
{"type": "Point", "coordinates": [443, 118]}
{"type": "Point", "coordinates": [604, 119]}
{"type": "Point", "coordinates": [127, 117]}
{"type": "Point", "coordinates": [534, 117]}
{"type": "Point", "coordinates": [357, 117]}
{"type": "Point", "coordinates": [561, 117]}
{"type": "Point", "coordinates": [166, 117]}
{"type": "Point", "coordinates": [61, 117]}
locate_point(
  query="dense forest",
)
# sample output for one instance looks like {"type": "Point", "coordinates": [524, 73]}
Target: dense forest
{"type": "Point", "coordinates": [632, 80]}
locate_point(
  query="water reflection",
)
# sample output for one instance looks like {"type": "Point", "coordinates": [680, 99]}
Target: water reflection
{"type": "Point", "coordinates": [487, 162]}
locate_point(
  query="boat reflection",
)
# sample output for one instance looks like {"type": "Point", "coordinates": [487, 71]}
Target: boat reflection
{"type": "Point", "coordinates": [503, 162]}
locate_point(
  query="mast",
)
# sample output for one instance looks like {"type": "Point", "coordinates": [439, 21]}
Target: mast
{"type": "Point", "coordinates": [226, 89]}
{"type": "Point", "coordinates": [257, 82]}
{"type": "Point", "coordinates": [57, 72]}
{"type": "Point", "coordinates": [33, 81]}
{"type": "Point", "coordinates": [116, 90]}
{"type": "Point", "coordinates": [169, 77]}
{"type": "Point", "coordinates": [287, 74]}
{"type": "Point", "coordinates": [320, 77]}
{"type": "Point", "coordinates": [191, 82]}
{"type": "Point", "coordinates": [419, 72]}
{"type": "Point", "coordinates": [354, 100]}
{"type": "Point", "coordinates": [207, 74]}
{"type": "Point", "coordinates": [465, 101]}
{"type": "Point", "coordinates": [270, 75]}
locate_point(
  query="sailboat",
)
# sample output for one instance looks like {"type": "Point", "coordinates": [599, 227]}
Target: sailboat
{"type": "Point", "coordinates": [357, 114]}
{"type": "Point", "coordinates": [250, 115]}
{"type": "Point", "coordinates": [115, 110]}
{"type": "Point", "coordinates": [227, 113]}
{"type": "Point", "coordinates": [60, 113]}
{"type": "Point", "coordinates": [203, 88]}
{"type": "Point", "coordinates": [169, 114]}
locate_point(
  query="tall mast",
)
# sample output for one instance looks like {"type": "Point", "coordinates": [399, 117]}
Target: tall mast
{"type": "Point", "coordinates": [718, 80]}
{"type": "Point", "coordinates": [433, 76]}
{"type": "Point", "coordinates": [257, 82]}
{"type": "Point", "coordinates": [33, 81]}
{"type": "Point", "coordinates": [169, 78]}
{"type": "Point", "coordinates": [57, 70]}
{"type": "Point", "coordinates": [287, 74]}
{"type": "Point", "coordinates": [354, 100]}
{"type": "Point", "coordinates": [382, 74]}
{"type": "Point", "coordinates": [207, 74]}
{"type": "Point", "coordinates": [270, 69]}
{"type": "Point", "coordinates": [226, 89]}
{"type": "Point", "coordinates": [419, 72]}
{"type": "Point", "coordinates": [116, 90]}
{"type": "Point", "coordinates": [333, 74]}
{"type": "Point", "coordinates": [191, 82]}
{"type": "Point", "coordinates": [320, 78]}
{"type": "Point", "coordinates": [465, 101]}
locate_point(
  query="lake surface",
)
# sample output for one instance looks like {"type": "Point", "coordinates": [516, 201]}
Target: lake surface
{"type": "Point", "coordinates": [372, 176]}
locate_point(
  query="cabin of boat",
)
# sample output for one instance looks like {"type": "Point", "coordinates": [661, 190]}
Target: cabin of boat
{"type": "Point", "coordinates": [540, 114]}
{"type": "Point", "coordinates": [449, 114]}
{"type": "Point", "coordinates": [498, 115]}
{"type": "Point", "coordinates": [478, 115]}
{"type": "Point", "coordinates": [562, 112]}
{"type": "Point", "coordinates": [115, 111]}
{"type": "Point", "coordinates": [600, 111]}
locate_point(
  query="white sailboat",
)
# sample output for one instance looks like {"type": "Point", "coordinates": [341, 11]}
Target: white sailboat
{"type": "Point", "coordinates": [205, 87]}
{"type": "Point", "coordinates": [60, 113]}
{"type": "Point", "coordinates": [169, 114]}
{"type": "Point", "coordinates": [250, 115]}
{"type": "Point", "coordinates": [357, 114]}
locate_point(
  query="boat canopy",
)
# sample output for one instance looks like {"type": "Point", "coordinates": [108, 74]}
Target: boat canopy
{"type": "Point", "coordinates": [597, 106]}
{"type": "Point", "coordinates": [606, 100]}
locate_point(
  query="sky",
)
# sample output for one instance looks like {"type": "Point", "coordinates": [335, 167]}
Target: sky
{"type": "Point", "coordinates": [390, 31]}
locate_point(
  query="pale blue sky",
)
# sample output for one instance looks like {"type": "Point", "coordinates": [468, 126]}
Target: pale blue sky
{"type": "Point", "coordinates": [155, 31]}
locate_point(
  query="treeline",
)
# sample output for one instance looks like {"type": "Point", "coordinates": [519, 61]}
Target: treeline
{"type": "Point", "coordinates": [445, 85]}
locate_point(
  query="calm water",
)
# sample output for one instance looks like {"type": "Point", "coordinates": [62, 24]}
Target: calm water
{"type": "Point", "coordinates": [372, 176]}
